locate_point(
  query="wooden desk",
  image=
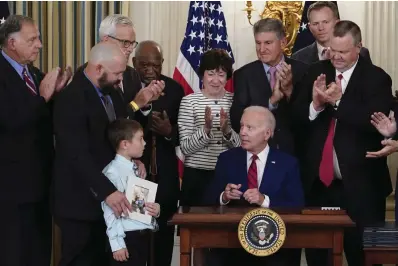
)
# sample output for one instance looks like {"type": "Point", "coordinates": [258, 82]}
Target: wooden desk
{"type": "Point", "coordinates": [216, 227]}
{"type": "Point", "coordinates": [375, 255]}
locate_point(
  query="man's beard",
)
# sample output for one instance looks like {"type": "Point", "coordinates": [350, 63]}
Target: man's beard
{"type": "Point", "coordinates": [104, 85]}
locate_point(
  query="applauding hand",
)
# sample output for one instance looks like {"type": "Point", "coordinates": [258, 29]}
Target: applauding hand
{"type": "Point", "coordinates": [387, 126]}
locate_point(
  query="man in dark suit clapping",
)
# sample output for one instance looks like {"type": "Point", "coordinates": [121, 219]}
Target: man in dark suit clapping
{"type": "Point", "coordinates": [256, 82]}
{"type": "Point", "coordinates": [337, 100]}
{"type": "Point", "coordinates": [26, 144]}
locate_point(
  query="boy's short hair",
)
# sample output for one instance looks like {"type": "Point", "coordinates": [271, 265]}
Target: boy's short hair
{"type": "Point", "coordinates": [122, 129]}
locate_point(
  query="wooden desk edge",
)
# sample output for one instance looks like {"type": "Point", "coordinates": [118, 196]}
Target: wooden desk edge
{"type": "Point", "coordinates": [234, 219]}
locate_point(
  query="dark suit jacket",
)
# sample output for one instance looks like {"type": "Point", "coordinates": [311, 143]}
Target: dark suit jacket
{"type": "Point", "coordinates": [395, 109]}
{"type": "Point", "coordinates": [252, 88]}
{"type": "Point", "coordinates": [309, 54]}
{"type": "Point", "coordinates": [167, 178]}
{"type": "Point", "coordinates": [368, 91]}
{"type": "Point", "coordinates": [131, 86]}
{"type": "Point", "coordinates": [281, 179]}
{"type": "Point", "coordinates": [82, 150]}
{"type": "Point", "coordinates": [26, 138]}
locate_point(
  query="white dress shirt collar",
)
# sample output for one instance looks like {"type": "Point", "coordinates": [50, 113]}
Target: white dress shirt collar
{"type": "Point", "coordinates": [262, 156]}
{"type": "Point", "coordinates": [260, 164]}
{"type": "Point", "coordinates": [348, 73]}
{"type": "Point", "coordinates": [320, 48]}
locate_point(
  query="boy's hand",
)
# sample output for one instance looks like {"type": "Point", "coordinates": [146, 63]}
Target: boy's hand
{"type": "Point", "coordinates": [153, 209]}
{"type": "Point", "coordinates": [141, 169]}
{"type": "Point", "coordinates": [121, 255]}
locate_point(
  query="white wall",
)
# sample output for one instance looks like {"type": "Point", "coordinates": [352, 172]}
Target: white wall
{"type": "Point", "coordinates": [352, 10]}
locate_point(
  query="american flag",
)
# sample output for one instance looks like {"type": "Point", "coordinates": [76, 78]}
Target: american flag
{"type": "Point", "coordinates": [4, 11]}
{"type": "Point", "coordinates": [206, 29]}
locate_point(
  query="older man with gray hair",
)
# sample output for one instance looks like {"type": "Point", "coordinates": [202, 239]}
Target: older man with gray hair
{"type": "Point", "coordinates": [119, 30]}
{"type": "Point", "coordinates": [269, 81]}
{"type": "Point", "coordinates": [26, 141]}
{"type": "Point", "coordinates": [256, 174]}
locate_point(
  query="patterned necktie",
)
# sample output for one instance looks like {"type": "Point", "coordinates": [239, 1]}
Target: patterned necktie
{"type": "Point", "coordinates": [326, 172]}
{"type": "Point", "coordinates": [324, 54]}
{"type": "Point", "coordinates": [272, 78]}
{"type": "Point", "coordinates": [110, 111]}
{"type": "Point", "coordinates": [29, 82]}
{"type": "Point", "coordinates": [252, 173]}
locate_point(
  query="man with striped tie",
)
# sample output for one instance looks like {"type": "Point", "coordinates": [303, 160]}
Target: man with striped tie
{"type": "Point", "coordinates": [26, 141]}
{"type": "Point", "coordinates": [258, 175]}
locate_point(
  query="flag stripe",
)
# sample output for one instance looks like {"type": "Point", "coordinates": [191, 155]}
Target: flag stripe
{"type": "Point", "coordinates": [177, 76]}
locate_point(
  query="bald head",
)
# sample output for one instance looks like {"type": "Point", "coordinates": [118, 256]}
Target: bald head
{"type": "Point", "coordinates": [148, 61]}
{"type": "Point", "coordinates": [148, 46]}
{"type": "Point", "coordinates": [104, 52]}
{"type": "Point", "coordinates": [106, 65]}
{"type": "Point", "coordinates": [257, 127]}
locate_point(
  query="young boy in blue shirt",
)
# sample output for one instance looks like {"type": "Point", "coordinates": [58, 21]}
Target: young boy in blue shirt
{"type": "Point", "coordinates": [129, 239]}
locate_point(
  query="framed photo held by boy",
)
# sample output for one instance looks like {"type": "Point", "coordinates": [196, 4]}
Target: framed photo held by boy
{"type": "Point", "coordinates": [140, 191]}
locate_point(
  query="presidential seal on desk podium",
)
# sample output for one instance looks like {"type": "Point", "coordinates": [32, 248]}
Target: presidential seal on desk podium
{"type": "Point", "coordinates": [261, 232]}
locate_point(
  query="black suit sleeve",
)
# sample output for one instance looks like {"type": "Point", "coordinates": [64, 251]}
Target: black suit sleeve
{"type": "Point", "coordinates": [240, 101]}
{"type": "Point", "coordinates": [303, 97]}
{"type": "Point", "coordinates": [72, 138]}
{"type": "Point", "coordinates": [394, 108]}
{"type": "Point", "coordinates": [219, 182]}
{"type": "Point", "coordinates": [299, 71]}
{"type": "Point", "coordinates": [376, 98]}
{"type": "Point", "coordinates": [364, 52]}
{"type": "Point", "coordinates": [131, 113]}
{"type": "Point", "coordinates": [22, 117]}
{"type": "Point", "coordinates": [297, 56]}
{"type": "Point", "coordinates": [302, 55]}
{"type": "Point", "coordinates": [179, 94]}
{"type": "Point", "coordinates": [136, 83]}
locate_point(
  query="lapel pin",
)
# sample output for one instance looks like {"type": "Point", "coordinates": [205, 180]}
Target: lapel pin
{"type": "Point", "coordinates": [273, 162]}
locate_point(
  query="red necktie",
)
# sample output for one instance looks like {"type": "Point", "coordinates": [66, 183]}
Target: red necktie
{"type": "Point", "coordinates": [252, 173]}
{"type": "Point", "coordinates": [29, 83]}
{"type": "Point", "coordinates": [326, 172]}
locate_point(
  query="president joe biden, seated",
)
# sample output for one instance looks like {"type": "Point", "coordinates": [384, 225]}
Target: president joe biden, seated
{"type": "Point", "coordinates": [257, 175]}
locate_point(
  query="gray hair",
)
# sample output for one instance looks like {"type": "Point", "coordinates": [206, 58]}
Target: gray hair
{"type": "Point", "coordinates": [147, 42]}
{"type": "Point", "coordinates": [12, 25]}
{"type": "Point", "coordinates": [105, 52]}
{"type": "Point", "coordinates": [270, 25]}
{"type": "Point", "coordinates": [269, 118]}
{"type": "Point", "coordinates": [108, 25]}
